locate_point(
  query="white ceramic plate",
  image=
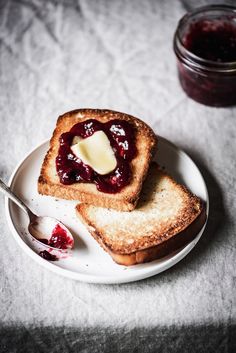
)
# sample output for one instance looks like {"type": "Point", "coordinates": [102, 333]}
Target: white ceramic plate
{"type": "Point", "coordinates": [89, 263]}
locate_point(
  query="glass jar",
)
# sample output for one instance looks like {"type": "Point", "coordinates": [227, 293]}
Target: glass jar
{"type": "Point", "coordinates": [205, 46]}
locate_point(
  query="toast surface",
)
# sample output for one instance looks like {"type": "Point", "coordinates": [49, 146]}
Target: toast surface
{"type": "Point", "coordinates": [126, 199]}
{"type": "Point", "coordinates": [166, 218]}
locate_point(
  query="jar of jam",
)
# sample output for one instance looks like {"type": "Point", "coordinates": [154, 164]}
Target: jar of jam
{"type": "Point", "coordinates": [205, 46]}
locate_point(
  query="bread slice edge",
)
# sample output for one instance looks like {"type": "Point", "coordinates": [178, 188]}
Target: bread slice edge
{"type": "Point", "coordinates": [126, 200]}
{"type": "Point", "coordinates": [151, 253]}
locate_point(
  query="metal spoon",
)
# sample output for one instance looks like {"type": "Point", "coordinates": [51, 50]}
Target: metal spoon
{"type": "Point", "coordinates": [48, 231]}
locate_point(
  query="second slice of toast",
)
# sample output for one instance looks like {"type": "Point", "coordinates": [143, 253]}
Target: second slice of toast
{"type": "Point", "coordinates": [126, 199]}
{"type": "Point", "coordinates": [166, 218]}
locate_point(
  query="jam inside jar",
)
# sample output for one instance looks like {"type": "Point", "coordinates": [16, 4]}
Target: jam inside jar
{"type": "Point", "coordinates": [205, 46]}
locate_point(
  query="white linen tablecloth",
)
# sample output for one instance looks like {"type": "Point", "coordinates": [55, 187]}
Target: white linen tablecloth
{"type": "Point", "coordinates": [56, 56]}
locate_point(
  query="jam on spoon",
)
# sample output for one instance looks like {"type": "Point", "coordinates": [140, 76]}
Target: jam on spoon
{"type": "Point", "coordinates": [51, 232]}
{"type": "Point", "coordinates": [48, 231]}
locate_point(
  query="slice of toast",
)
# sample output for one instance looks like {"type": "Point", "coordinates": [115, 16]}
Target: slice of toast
{"type": "Point", "coordinates": [126, 199]}
{"type": "Point", "coordinates": [166, 218]}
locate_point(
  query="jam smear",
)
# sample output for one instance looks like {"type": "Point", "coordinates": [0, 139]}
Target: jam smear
{"type": "Point", "coordinates": [121, 135]}
{"type": "Point", "coordinates": [59, 238]}
{"type": "Point", "coordinates": [47, 256]}
{"type": "Point", "coordinates": [212, 40]}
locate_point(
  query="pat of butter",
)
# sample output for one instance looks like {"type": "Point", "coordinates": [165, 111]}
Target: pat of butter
{"type": "Point", "coordinates": [76, 139]}
{"type": "Point", "coordinates": [96, 152]}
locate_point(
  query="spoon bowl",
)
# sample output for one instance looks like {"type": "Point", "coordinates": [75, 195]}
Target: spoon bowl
{"type": "Point", "coordinates": [51, 234]}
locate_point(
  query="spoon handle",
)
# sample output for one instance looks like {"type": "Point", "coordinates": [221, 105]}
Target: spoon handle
{"type": "Point", "coordinates": [7, 192]}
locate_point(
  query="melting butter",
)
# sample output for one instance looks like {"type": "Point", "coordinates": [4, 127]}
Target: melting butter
{"type": "Point", "coordinates": [96, 151]}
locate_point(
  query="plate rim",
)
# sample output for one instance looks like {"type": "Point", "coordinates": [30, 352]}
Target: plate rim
{"type": "Point", "coordinates": [111, 279]}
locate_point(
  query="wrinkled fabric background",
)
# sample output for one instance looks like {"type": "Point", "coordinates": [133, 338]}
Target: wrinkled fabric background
{"type": "Point", "coordinates": [60, 55]}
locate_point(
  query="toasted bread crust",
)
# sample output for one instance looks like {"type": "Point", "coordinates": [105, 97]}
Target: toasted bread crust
{"type": "Point", "coordinates": [126, 199]}
{"type": "Point", "coordinates": [152, 253]}
{"type": "Point", "coordinates": [151, 243]}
